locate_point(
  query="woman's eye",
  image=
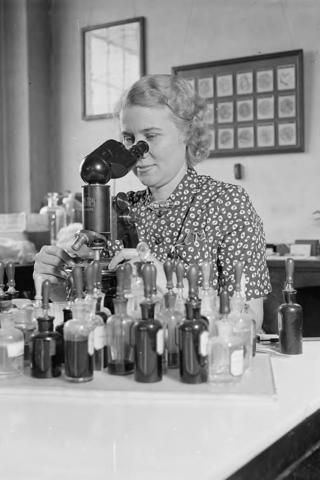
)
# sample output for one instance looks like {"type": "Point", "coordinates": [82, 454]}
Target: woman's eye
{"type": "Point", "coordinates": [151, 136]}
{"type": "Point", "coordinates": [128, 141]}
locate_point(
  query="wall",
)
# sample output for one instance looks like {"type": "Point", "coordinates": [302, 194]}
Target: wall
{"type": "Point", "coordinates": [283, 187]}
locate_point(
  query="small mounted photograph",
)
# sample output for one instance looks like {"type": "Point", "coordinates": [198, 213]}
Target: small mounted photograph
{"type": "Point", "coordinates": [287, 134]}
{"type": "Point", "coordinates": [224, 85]}
{"type": "Point", "coordinates": [212, 139]}
{"type": "Point", "coordinates": [286, 106]}
{"type": "Point", "coordinates": [286, 78]}
{"type": "Point", "coordinates": [244, 83]}
{"type": "Point", "coordinates": [264, 81]}
{"type": "Point", "coordinates": [225, 112]}
{"type": "Point", "coordinates": [209, 117]}
{"type": "Point", "coordinates": [225, 138]}
{"type": "Point", "coordinates": [245, 110]}
{"type": "Point", "coordinates": [265, 135]}
{"type": "Point", "coordinates": [265, 108]}
{"type": "Point", "coordinates": [205, 87]}
{"type": "Point", "coordinates": [245, 137]}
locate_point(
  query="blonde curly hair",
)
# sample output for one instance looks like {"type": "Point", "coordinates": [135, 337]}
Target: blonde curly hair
{"type": "Point", "coordinates": [188, 109]}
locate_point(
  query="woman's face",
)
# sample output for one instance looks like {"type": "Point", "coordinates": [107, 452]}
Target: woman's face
{"type": "Point", "coordinates": [166, 154]}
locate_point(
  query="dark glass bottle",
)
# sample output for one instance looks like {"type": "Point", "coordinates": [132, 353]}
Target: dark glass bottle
{"type": "Point", "coordinates": [148, 335]}
{"type": "Point", "coordinates": [67, 315]}
{"type": "Point", "coordinates": [46, 344]}
{"type": "Point", "coordinates": [290, 316]}
{"type": "Point", "coordinates": [193, 337]}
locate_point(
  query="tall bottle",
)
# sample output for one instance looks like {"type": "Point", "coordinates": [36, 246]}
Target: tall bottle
{"type": "Point", "coordinates": [148, 335]}
{"type": "Point", "coordinates": [5, 298]}
{"type": "Point", "coordinates": [10, 271]}
{"type": "Point", "coordinates": [180, 298]}
{"type": "Point", "coordinates": [208, 295]}
{"type": "Point", "coordinates": [46, 345]}
{"type": "Point", "coordinates": [56, 216]}
{"type": "Point", "coordinates": [242, 316]}
{"type": "Point", "coordinates": [290, 316]}
{"type": "Point", "coordinates": [119, 345]}
{"type": "Point", "coordinates": [11, 347]}
{"type": "Point", "coordinates": [193, 336]}
{"type": "Point", "coordinates": [227, 348]}
{"type": "Point", "coordinates": [170, 319]}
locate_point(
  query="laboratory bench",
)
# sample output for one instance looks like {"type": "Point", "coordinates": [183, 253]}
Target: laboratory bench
{"type": "Point", "coordinates": [114, 428]}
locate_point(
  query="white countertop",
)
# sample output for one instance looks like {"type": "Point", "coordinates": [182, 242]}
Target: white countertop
{"type": "Point", "coordinates": [51, 431]}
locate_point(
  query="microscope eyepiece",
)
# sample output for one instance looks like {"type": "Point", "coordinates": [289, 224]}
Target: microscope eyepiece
{"type": "Point", "coordinates": [111, 160]}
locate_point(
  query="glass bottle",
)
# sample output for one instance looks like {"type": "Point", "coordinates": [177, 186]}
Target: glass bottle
{"type": "Point", "coordinates": [46, 345]}
{"type": "Point", "coordinates": [193, 336]}
{"type": "Point", "coordinates": [119, 345]}
{"type": "Point", "coordinates": [208, 296]}
{"type": "Point", "coordinates": [10, 271]}
{"type": "Point", "coordinates": [290, 316]}
{"type": "Point", "coordinates": [2, 268]}
{"type": "Point", "coordinates": [148, 335]}
{"type": "Point", "coordinates": [11, 348]}
{"type": "Point", "coordinates": [170, 319]}
{"type": "Point", "coordinates": [242, 316]}
{"type": "Point", "coordinates": [78, 339]}
{"type": "Point", "coordinates": [56, 216]}
{"type": "Point", "coordinates": [226, 348]}
{"type": "Point", "coordinates": [180, 298]}
{"type": "Point", "coordinates": [127, 287]}
{"type": "Point", "coordinates": [137, 289]}
{"type": "Point", "coordinates": [24, 321]}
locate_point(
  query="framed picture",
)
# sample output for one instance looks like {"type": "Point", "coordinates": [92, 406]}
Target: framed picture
{"type": "Point", "coordinates": [255, 104]}
{"type": "Point", "coordinates": [113, 57]}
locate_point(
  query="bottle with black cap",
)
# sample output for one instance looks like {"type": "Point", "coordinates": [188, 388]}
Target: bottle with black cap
{"type": "Point", "coordinates": [148, 334]}
{"type": "Point", "coordinates": [46, 344]}
{"type": "Point", "coordinates": [193, 336]}
{"type": "Point", "coordinates": [290, 316]}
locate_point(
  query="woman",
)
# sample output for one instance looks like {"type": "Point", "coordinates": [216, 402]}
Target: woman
{"type": "Point", "coordinates": [192, 217]}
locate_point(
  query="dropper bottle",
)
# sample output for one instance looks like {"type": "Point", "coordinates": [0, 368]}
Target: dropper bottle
{"type": "Point", "coordinates": [208, 296]}
{"type": "Point", "coordinates": [119, 346]}
{"type": "Point", "coordinates": [193, 336]}
{"type": "Point", "coordinates": [148, 335]}
{"type": "Point", "coordinates": [180, 299]}
{"type": "Point", "coordinates": [46, 345]}
{"type": "Point", "coordinates": [290, 316]}
{"type": "Point", "coordinates": [10, 271]}
{"type": "Point", "coordinates": [170, 319]}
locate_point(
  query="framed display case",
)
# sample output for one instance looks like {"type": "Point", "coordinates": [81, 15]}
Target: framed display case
{"type": "Point", "coordinates": [113, 57]}
{"type": "Point", "coordinates": [255, 104]}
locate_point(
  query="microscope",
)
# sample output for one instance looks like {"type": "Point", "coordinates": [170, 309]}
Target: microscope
{"type": "Point", "coordinates": [105, 218]}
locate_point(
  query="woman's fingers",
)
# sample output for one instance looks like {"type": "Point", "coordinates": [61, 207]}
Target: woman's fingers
{"type": "Point", "coordinates": [123, 255]}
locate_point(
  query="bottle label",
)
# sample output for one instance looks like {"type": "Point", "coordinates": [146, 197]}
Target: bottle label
{"type": "Point", "coordinates": [99, 337]}
{"type": "Point", "coordinates": [15, 349]}
{"type": "Point", "coordinates": [91, 343]}
{"type": "Point", "coordinates": [160, 342]}
{"type": "Point", "coordinates": [203, 344]}
{"type": "Point", "coordinates": [236, 362]}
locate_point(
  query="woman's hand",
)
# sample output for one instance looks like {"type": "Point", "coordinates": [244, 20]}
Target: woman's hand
{"type": "Point", "coordinates": [131, 255]}
{"type": "Point", "coordinates": [50, 263]}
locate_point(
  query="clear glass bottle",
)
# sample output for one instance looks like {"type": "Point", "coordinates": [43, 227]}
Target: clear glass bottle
{"type": "Point", "coordinates": [119, 325]}
{"type": "Point", "coordinates": [78, 339]}
{"type": "Point", "coordinates": [208, 296]}
{"type": "Point", "coordinates": [24, 321]}
{"type": "Point", "coordinates": [56, 216]}
{"type": "Point", "coordinates": [290, 316]}
{"type": "Point", "coordinates": [226, 348]}
{"type": "Point", "coordinates": [46, 345]}
{"type": "Point", "coordinates": [10, 271]}
{"type": "Point", "coordinates": [11, 348]}
{"type": "Point", "coordinates": [180, 297]}
{"type": "Point", "coordinates": [148, 335]}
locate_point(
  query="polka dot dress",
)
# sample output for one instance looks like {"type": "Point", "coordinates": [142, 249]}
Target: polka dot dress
{"type": "Point", "coordinates": [204, 219]}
